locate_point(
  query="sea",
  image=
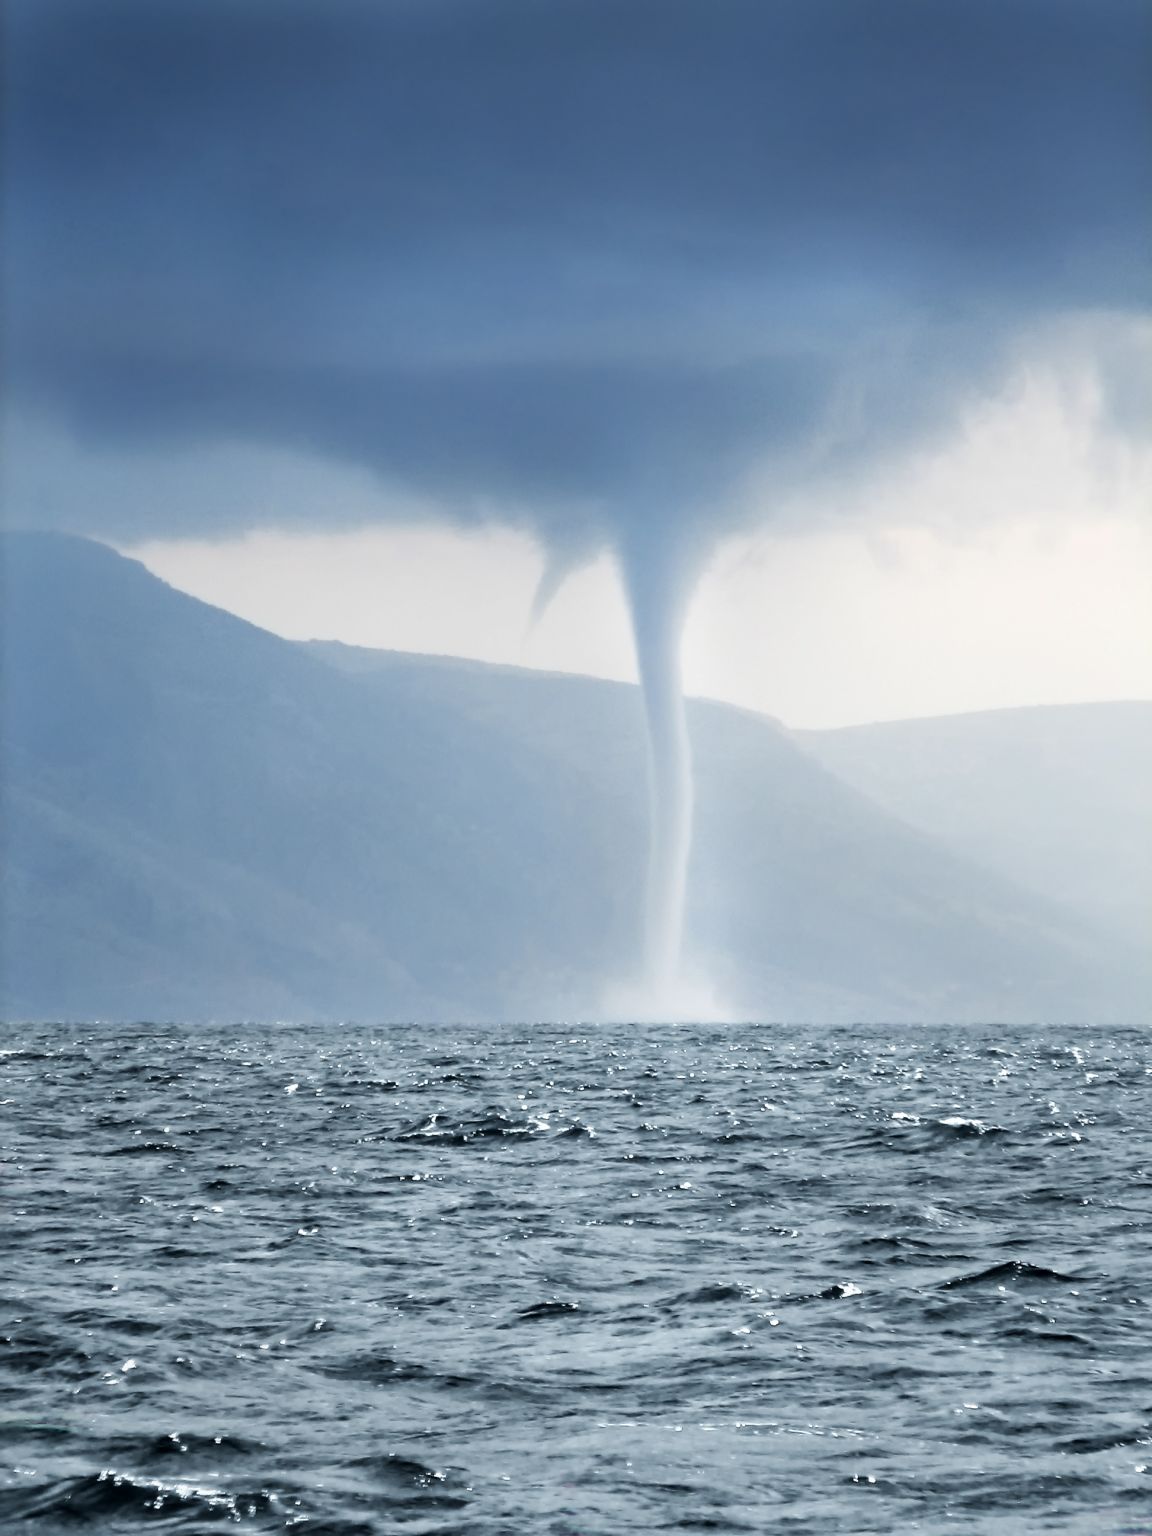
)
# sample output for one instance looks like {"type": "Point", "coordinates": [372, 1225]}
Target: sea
{"type": "Point", "coordinates": [576, 1280]}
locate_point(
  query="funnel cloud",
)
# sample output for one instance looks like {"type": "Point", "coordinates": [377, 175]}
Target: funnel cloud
{"type": "Point", "coordinates": [582, 268]}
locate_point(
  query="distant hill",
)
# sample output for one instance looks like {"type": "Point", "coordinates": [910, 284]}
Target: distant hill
{"type": "Point", "coordinates": [1057, 798]}
{"type": "Point", "coordinates": [202, 820]}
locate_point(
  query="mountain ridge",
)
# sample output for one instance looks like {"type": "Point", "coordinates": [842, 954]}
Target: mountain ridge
{"type": "Point", "coordinates": [205, 820]}
{"type": "Point", "coordinates": [1058, 797]}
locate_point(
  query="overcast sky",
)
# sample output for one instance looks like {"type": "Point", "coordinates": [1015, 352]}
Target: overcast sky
{"type": "Point", "coordinates": [863, 617]}
{"type": "Point", "coordinates": [358, 314]}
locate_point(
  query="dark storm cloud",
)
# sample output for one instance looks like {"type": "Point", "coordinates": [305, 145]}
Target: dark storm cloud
{"type": "Point", "coordinates": [589, 259]}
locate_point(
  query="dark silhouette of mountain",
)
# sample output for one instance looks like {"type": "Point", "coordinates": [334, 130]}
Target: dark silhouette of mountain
{"type": "Point", "coordinates": [1057, 798]}
{"type": "Point", "coordinates": [203, 820]}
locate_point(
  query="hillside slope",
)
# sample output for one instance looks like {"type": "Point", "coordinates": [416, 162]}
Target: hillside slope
{"type": "Point", "coordinates": [203, 820]}
{"type": "Point", "coordinates": [1057, 798]}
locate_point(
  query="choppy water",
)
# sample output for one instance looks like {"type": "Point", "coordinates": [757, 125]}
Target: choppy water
{"type": "Point", "coordinates": [596, 1281]}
